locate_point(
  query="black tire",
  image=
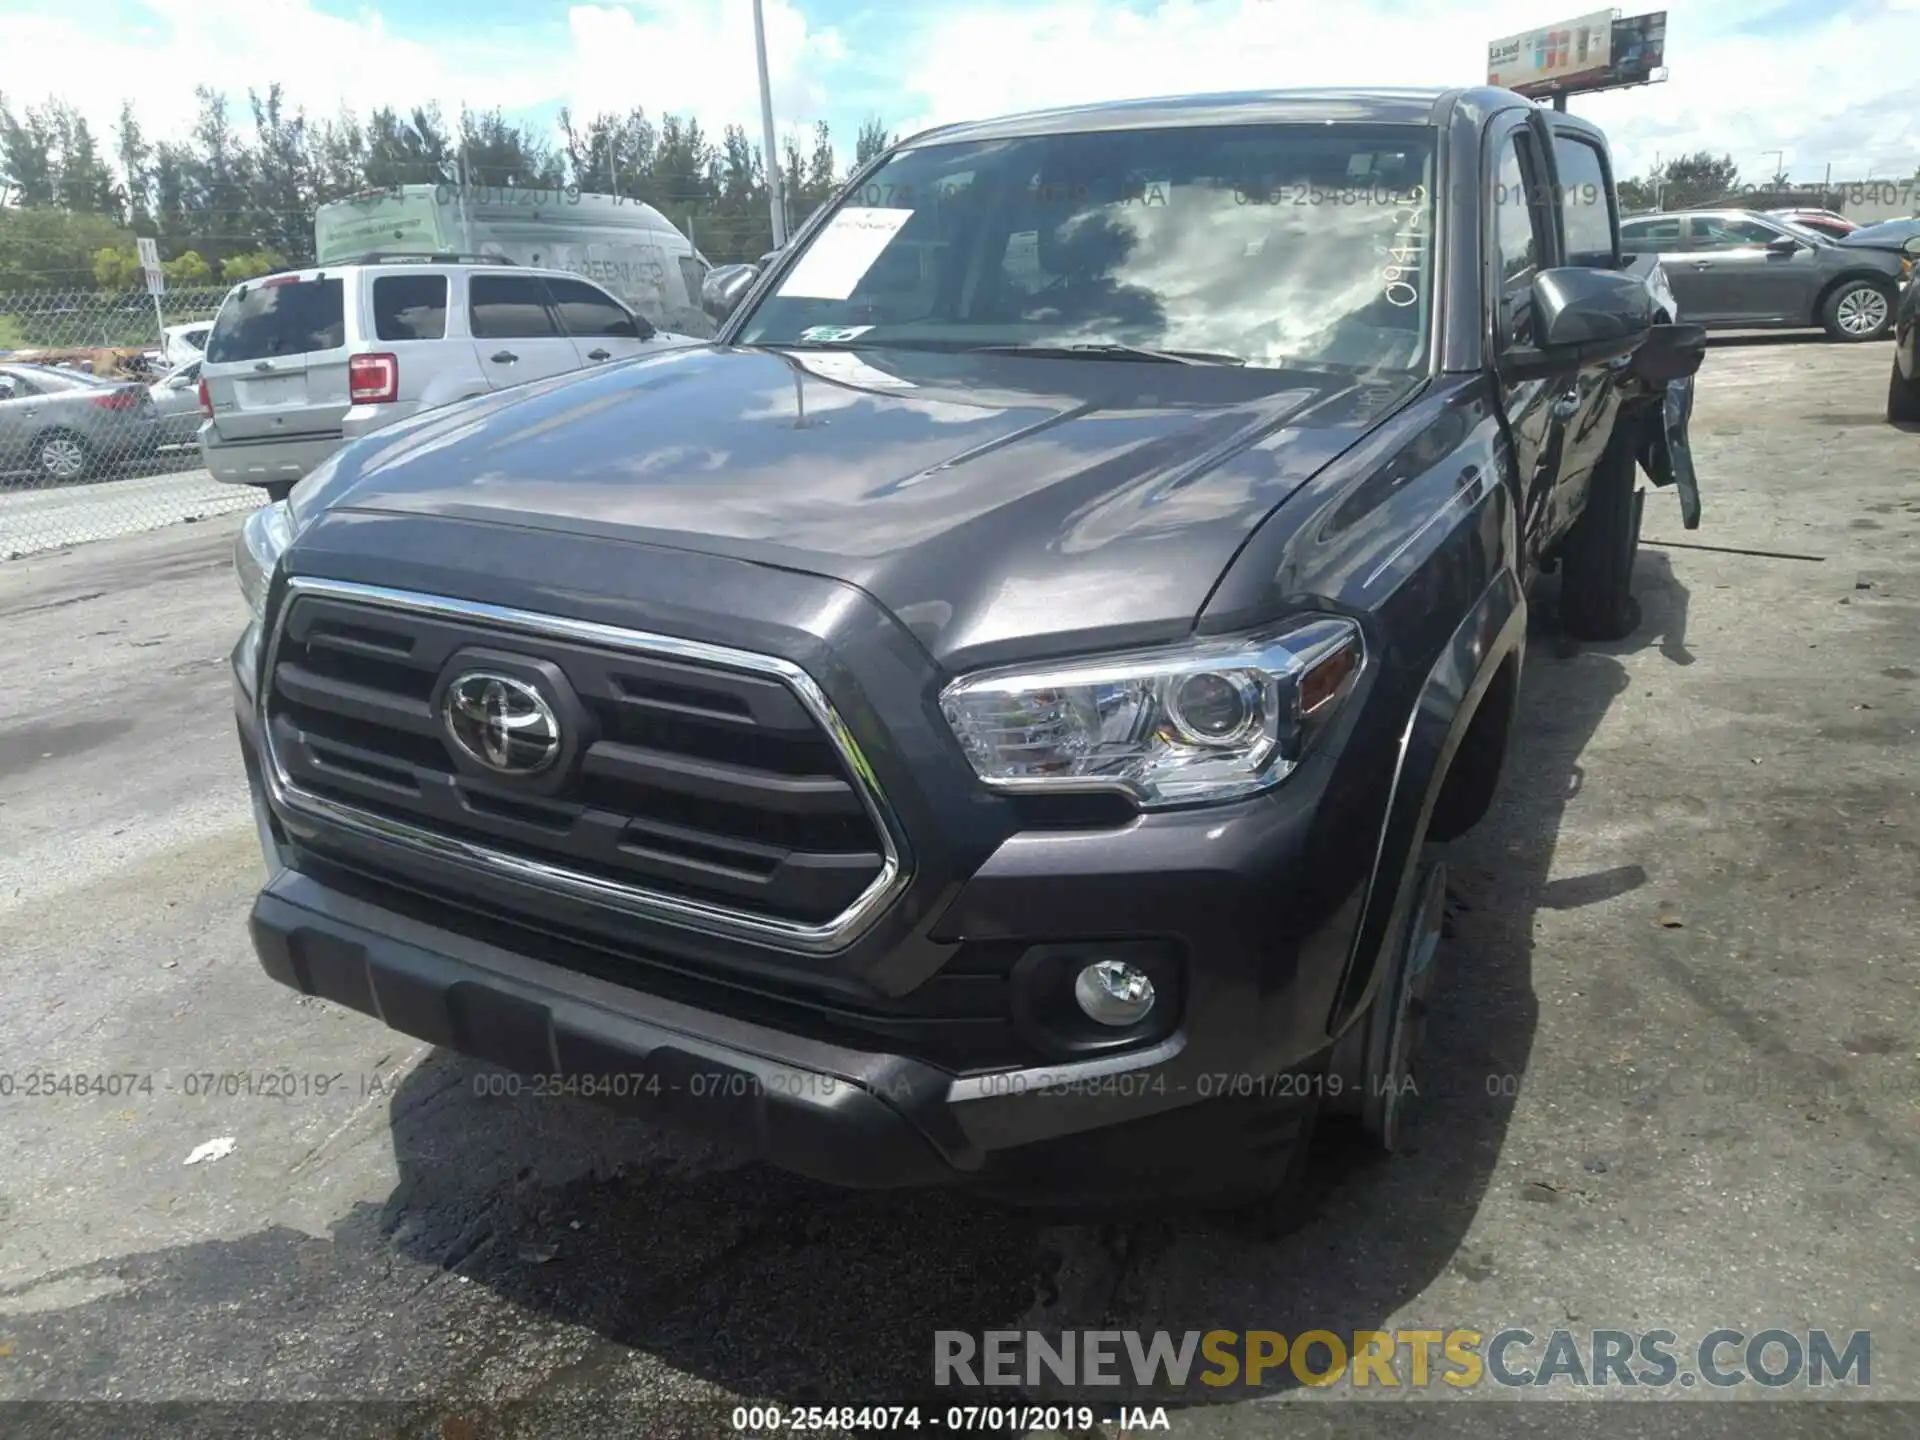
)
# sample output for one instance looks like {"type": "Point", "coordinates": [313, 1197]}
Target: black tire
{"type": "Point", "coordinates": [1596, 572]}
{"type": "Point", "coordinates": [61, 457]}
{"type": "Point", "coordinates": [1903, 397]}
{"type": "Point", "coordinates": [1837, 307]}
{"type": "Point", "coordinates": [1396, 1021]}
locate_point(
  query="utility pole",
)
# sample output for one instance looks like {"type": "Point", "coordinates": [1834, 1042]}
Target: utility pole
{"type": "Point", "coordinates": [776, 187]}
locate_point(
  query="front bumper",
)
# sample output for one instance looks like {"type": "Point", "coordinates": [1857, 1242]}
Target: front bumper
{"type": "Point", "coordinates": [828, 1112]}
{"type": "Point", "coordinates": [822, 1064]}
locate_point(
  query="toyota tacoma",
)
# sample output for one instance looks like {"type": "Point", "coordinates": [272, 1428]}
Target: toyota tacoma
{"type": "Point", "coordinates": [994, 713]}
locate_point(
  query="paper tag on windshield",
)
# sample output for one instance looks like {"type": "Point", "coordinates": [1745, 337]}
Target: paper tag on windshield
{"type": "Point", "coordinates": [842, 253]}
{"type": "Point", "coordinates": [833, 334]}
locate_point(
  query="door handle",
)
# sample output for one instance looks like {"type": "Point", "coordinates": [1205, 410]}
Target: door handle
{"type": "Point", "coordinates": [599, 354]}
{"type": "Point", "coordinates": [1703, 264]}
{"type": "Point", "coordinates": [503, 357]}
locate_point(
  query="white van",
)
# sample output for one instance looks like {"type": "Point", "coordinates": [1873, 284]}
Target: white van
{"type": "Point", "coordinates": [626, 246]}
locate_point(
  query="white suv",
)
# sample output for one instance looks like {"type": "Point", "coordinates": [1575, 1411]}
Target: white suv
{"type": "Point", "coordinates": [300, 363]}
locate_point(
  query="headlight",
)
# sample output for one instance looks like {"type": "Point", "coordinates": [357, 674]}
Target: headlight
{"type": "Point", "coordinates": [263, 539]}
{"type": "Point", "coordinates": [1208, 721]}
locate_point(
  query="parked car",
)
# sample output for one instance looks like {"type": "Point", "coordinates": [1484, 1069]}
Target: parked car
{"type": "Point", "coordinates": [996, 713]}
{"type": "Point", "coordinates": [1903, 385]}
{"type": "Point", "coordinates": [182, 344]}
{"type": "Point", "coordinates": [66, 424]}
{"type": "Point", "coordinates": [176, 399]}
{"type": "Point", "coordinates": [1740, 269]}
{"type": "Point", "coordinates": [300, 363]}
{"type": "Point", "coordinates": [1830, 223]}
{"type": "Point", "coordinates": [1887, 235]}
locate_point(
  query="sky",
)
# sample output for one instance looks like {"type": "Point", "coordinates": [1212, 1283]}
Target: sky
{"type": "Point", "coordinates": [1827, 82]}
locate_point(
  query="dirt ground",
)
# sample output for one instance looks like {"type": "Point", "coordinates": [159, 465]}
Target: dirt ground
{"type": "Point", "coordinates": [1675, 1077]}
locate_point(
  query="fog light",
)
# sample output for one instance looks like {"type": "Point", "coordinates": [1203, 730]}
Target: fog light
{"type": "Point", "coordinates": [1113, 992]}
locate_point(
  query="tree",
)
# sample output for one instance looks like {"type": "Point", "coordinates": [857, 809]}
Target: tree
{"type": "Point", "coordinates": [46, 249]}
{"type": "Point", "coordinates": [251, 264]}
{"type": "Point", "coordinates": [117, 269]}
{"type": "Point", "coordinates": [872, 140]}
{"type": "Point", "coordinates": [136, 159]}
{"type": "Point", "coordinates": [1697, 179]}
{"type": "Point", "coordinates": [497, 154]}
{"type": "Point", "coordinates": [282, 198]}
{"type": "Point", "coordinates": [411, 149]}
{"type": "Point", "coordinates": [26, 156]}
{"type": "Point", "coordinates": [187, 268]}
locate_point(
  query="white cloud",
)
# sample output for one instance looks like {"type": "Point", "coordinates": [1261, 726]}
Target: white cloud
{"type": "Point", "coordinates": [1841, 92]}
{"type": "Point", "coordinates": [322, 62]}
{"type": "Point", "coordinates": [695, 57]}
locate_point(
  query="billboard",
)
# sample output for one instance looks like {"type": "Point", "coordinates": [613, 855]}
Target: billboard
{"type": "Point", "coordinates": [1639, 49]}
{"type": "Point", "coordinates": [1555, 57]}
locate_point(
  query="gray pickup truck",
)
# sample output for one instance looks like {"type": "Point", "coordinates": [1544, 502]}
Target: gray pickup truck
{"type": "Point", "coordinates": [995, 714]}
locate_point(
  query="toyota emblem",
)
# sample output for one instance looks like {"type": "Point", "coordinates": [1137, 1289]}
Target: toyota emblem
{"type": "Point", "coordinates": [502, 722]}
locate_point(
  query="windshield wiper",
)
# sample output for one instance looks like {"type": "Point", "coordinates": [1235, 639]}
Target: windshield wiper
{"type": "Point", "coordinates": [1113, 350]}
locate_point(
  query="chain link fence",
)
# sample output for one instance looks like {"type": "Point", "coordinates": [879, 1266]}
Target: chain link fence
{"type": "Point", "coordinates": [100, 416]}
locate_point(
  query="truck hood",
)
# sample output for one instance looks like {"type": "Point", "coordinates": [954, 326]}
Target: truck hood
{"type": "Point", "coordinates": [986, 500]}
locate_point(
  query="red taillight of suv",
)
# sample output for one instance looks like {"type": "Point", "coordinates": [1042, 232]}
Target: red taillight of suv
{"type": "Point", "coordinates": [120, 399]}
{"type": "Point", "coordinates": [206, 400]}
{"type": "Point", "coordinates": [373, 379]}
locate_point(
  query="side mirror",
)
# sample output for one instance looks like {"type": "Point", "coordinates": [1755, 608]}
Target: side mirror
{"type": "Point", "coordinates": [724, 287]}
{"type": "Point", "coordinates": [1580, 316]}
{"type": "Point", "coordinates": [1782, 245]}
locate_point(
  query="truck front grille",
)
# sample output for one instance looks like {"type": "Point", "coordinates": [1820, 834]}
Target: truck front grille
{"type": "Point", "coordinates": [710, 787]}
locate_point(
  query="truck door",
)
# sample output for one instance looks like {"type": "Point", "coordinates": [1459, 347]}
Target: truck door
{"type": "Point", "coordinates": [1519, 236]}
{"type": "Point", "coordinates": [1584, 193]}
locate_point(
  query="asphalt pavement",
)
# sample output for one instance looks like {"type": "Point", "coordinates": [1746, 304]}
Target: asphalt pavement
{"type": "Point", "coordinates": [1674, 1082]}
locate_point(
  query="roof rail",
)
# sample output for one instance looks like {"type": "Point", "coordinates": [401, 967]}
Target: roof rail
{"type": "Point", "coordinates": [430, 257]}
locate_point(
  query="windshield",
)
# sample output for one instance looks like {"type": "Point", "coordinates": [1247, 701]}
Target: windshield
{"type": "Point", "coordinates": [1271, 244]}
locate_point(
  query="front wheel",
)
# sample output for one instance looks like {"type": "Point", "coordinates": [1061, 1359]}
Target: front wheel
{"type": "Point", "coordinates": [1596, 587]}
{"type": "Point", "coordinates": [1396, 1026]}
{"type": "Point", "coordinates": [1903, 396]}
{"type": "Point", "coordinates": [1858, 310]}
{"type": "Point", "coordinates": [60, 457]}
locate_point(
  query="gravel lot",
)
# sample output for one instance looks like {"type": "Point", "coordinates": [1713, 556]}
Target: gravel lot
{"type": "Point", "coordinates": [1676, 1071]}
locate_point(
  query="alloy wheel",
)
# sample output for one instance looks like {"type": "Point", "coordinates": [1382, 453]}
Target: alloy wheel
{"type": "Point", "coordinates": [62, 458]}
{"type": "Point", "coordinates": [1861, 311]}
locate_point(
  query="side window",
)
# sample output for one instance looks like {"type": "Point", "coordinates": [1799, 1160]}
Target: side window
{"type": "Point", "coordinates": [509, 307]}
{"type": "Point", "coordinates": [1646, 236]}
{"type": "Point", "coordinates": [7, 391]}
{"type": "Point", "coordinates": [1518, 241]}
{"type": "Point", "coordinates": [19, 387]}
{"type": "Point", "coordinates": [1730, 232]}
{"type": "Point", "coordinates": [586, 311]}
{"type": "Point", "coordinates": [1586, 207]}
{"type": "Point", "coordinates": [410, 307]}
